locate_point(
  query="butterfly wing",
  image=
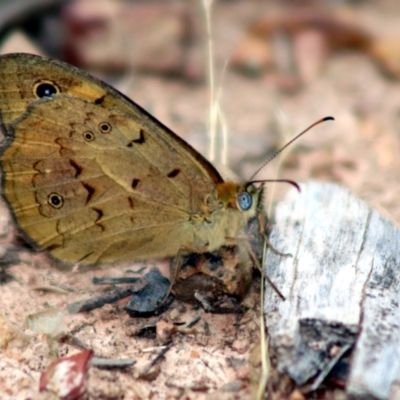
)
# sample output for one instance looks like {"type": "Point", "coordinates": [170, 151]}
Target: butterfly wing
{"type": "Point", "coordinates": [88, 174]}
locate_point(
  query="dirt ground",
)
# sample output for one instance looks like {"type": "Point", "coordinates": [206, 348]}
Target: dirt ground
{"type": "Point", "coordinates": [360, 150]}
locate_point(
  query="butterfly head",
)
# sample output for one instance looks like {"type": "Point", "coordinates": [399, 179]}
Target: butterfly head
{"type": "Point", "coordinates": [242, 197]}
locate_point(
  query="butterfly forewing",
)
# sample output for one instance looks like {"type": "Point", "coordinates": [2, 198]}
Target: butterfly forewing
{"type": "Point", "coordinates": [88, 174]}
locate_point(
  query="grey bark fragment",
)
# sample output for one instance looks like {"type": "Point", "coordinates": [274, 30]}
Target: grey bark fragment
{"type": "Point", "coordinates": [342, 288]}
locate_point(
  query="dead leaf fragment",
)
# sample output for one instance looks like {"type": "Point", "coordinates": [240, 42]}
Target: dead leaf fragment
{"type": "Point", "coordinates": [67, 376]}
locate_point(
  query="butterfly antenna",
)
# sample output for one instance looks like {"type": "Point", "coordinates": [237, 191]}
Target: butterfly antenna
{"type": "Point", "coordinates": [289, 143]}
{"type": "Point", "coordinates": [293, 183]}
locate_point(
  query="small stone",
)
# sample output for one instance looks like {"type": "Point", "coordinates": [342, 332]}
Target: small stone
{"type": "Point", "coordinates": [241, 346]}
{"type": "Point", "coordinates": [174, 315]}
{"type": "Point", "coordinates": [165, 330]}
{"type": "Point", "coordinates": [234, 386]}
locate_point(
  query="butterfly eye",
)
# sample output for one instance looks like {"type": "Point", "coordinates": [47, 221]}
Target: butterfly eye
{"type": "Point", "coordinates": [88, 136]}
{"type": "Point", "coordinates": [105, 127]}
{"type": "Point", "coordinates": [45, 89]}
{"type": "Point", "coordinates": [245, 200]}
{"type": "Point", "coordinates": [55, 200]}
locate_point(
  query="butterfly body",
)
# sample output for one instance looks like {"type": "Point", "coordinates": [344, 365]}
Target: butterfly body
{"type": "Point", "coordinates": [93, 178]}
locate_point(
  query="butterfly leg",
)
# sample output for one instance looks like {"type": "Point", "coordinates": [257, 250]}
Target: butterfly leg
{"type": "Point", "coordinates": [261, 218]}
{"type": "Point", "coordinates": [175, 267]}
{"type": "Point", "coordinates": [254, 259]}
{"type": "Point", "coordinates": [265, 276]}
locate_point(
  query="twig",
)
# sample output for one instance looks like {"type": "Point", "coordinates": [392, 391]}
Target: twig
{"type": "Point", "coordinates": [158, 357]}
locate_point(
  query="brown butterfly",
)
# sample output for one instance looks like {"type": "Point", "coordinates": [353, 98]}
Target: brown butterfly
{"type": "Point", "coordinates": [91, 177]}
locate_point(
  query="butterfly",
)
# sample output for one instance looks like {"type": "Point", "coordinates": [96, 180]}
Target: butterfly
{"type": "Point", "coordinates": [93, 178]}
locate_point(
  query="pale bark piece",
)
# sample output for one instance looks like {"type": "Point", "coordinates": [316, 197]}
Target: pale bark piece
{"type": "Point", "coordinates": [342, 288]}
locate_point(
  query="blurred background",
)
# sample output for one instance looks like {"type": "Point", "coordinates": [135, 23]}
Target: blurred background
{"type": "Point", "coordinates": [278, 67]}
